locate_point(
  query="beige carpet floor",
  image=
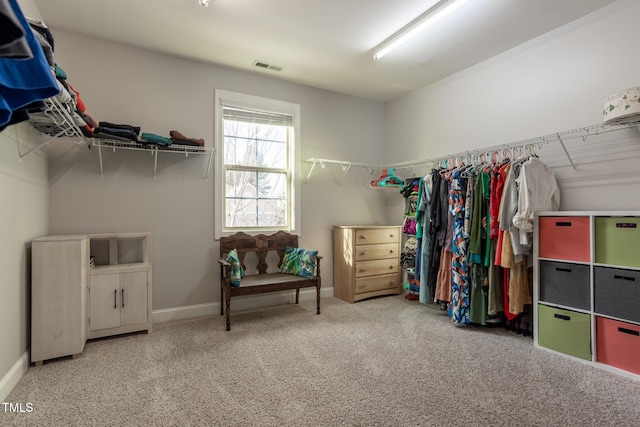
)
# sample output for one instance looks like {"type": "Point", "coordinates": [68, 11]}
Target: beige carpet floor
{"type": "Point", "coordinates": [381, 362]}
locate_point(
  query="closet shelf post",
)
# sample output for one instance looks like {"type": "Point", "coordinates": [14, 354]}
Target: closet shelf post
{"type": "Point", "coordinates": [313, 165]}
{"type": "Point", "coordinates": [100, 158]}
{"type": "Point", "coordinates": [566, 152]}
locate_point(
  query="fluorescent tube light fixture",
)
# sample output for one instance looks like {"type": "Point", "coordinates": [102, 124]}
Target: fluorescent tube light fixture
{"type": "Point", "coordinates": [204, 3]}
{"type": "Point", "coordinates": [418, 25]}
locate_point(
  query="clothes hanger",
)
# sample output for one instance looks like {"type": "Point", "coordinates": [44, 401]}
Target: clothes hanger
{"type": "Point", "coordinates": [390, 179]}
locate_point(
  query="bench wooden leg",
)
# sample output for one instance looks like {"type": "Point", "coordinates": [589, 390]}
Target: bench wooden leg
{"type": "Point", "coordinates": [317, 299]}
{"type": "Point", "coordinates": [228, 304]}
{"type": "Point", "coordinates": [297, 295]}
{"type": "Point", "coordinates": [221, 300]}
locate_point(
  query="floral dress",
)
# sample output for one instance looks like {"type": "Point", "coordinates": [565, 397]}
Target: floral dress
{"type": "Point", "coordinates": [459, 307]}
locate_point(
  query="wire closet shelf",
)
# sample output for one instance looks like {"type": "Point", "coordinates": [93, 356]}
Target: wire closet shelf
{"type": "Point", "coordinates": [153, 149]}
{"type": "Point", "coordinates": [511, 148]}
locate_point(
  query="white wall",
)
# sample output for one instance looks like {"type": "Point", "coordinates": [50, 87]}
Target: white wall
{"type": "Point", "coordinates": [554, 83]}
{"type": "Point", "coordinates": [160, 93]}
{"type": "Point", "coordinates": [24, 215]}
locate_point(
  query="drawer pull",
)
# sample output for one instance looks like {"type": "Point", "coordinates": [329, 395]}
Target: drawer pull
{"type": "Point", "coordinates": [626, 225]}
{"type": "Point", "coordinates": [562, 316]}
{"type": "Point", "coordinates": [618, 277]}
{"type": "Point", "coordinates": [629, 331]}
{"type": "Point", "coordinates": [566, 270]}
{"type": "Point", "coordinates": [563, 224]}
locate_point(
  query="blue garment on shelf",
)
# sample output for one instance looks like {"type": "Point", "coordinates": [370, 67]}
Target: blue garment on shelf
{"type": "Point", "coordinates": [23, 81]}
{"type": "Point", "coordinates": [152, 138]}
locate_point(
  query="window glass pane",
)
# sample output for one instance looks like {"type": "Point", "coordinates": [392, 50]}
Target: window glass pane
{"type": "Point", "coordinates": [252, 144]}
{"type": "Point", "coordinates": [241, 184]}
{"type": "Point", "coordinates": [241, 213]}
{"type": "Point", "coordinates": [272, 185]}
{"type": "Point", "coordinates": [273, 213]}
{"type": "Point", "coordinates": [272, 154]}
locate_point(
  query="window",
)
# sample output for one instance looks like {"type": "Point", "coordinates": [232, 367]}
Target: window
{"type": "Point", "coordinates": [256, 185]}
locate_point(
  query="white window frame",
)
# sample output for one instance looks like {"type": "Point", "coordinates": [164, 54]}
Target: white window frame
{"type": "Point", "coordinates": [226, 98]}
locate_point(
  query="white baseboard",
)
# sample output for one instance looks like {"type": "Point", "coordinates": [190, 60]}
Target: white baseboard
{"type": "Point", "coordinates": [13, 376]}
{"type": "Point", "coordinates": [238, 304]}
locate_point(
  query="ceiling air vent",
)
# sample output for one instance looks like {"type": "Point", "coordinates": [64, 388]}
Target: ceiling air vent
{"type": "Point", "coordinates": [267, 66]}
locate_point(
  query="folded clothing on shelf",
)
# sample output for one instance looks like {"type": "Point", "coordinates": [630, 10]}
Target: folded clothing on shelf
{"type": "Point", "coordinates": [179, 138]}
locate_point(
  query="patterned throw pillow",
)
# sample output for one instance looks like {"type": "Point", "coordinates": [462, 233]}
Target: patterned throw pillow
{"type": "Point", "coordinates": [236, 271]}
{"type": "Point", "coordinates": [299, 262]}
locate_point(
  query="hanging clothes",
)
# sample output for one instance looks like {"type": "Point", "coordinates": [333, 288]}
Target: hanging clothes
{"type": "Point", "coordinates": [427, 292]}
{"type": "Point", "coordinates": [439, 210]}
{"type": "Point", "coordinates": [459, 307]}
{"type": "Point", "coordinates": [538, 191]}
{"type": "Point", "coordinates": [479, 250]}
{"type": "Point", "coordinates": [443, 274]}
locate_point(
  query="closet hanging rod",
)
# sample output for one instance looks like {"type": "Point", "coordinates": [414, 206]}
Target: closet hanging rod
{"type": "Point", "coordinates": [345, 165]}
{"type": "Point", "coordinates": [560, 137]}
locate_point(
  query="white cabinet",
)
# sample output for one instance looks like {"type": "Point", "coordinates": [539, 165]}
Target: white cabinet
{"type": "Point", "coordinates": [58, 296]}
{"type": "Point", "coordinates": [74, 298]}
{"type": "Point", "coordinates": [127, 291]}
{"type": "Point", "coordinates": [120, 284]}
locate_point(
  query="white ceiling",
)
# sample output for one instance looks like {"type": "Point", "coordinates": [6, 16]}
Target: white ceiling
{"type": "Point", "coordinates": [326, 44]}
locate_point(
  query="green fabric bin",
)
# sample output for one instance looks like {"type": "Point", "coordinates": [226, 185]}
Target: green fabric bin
{"type": "Point", "coordinates": [565, 331]}
{"type": "Point", "coordinates": [617, 240]}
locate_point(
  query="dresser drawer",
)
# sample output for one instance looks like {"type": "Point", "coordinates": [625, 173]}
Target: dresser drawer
{"type": "Point", "coordinates": [565, 284]}
{"type": "Point", "coordinates": [370, 236]}
{"type": "Point", "coordinates": [370, 252]}
{"type": "Point", "coordinates": [565, 331]}
{"type": "Point", "coordinates": [617, 240]}
{"type": "Point", "coordinates": [617, 293]}
{"type": "Point", "coordinates": [374, 268]}
{"type": "Point", "coordinates": [564, 238]}
{"type": "Point", "coordinates": [377, 283]}
{"type": "Point", "coordinates": [618, 344]}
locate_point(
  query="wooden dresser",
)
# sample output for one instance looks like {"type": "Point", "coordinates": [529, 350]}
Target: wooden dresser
{"type": "Point", "coordinates": [366, 261]}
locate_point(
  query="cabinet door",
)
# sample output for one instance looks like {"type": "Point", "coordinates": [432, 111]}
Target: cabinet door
{"type": "Point", "coordinates": [105, 301]}
{"type": "Point", "coordinates": [58, 298]}
{"type": "Point", "coordinates": [133, 297]}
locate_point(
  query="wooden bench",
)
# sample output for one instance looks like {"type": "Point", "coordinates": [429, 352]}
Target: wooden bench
{"type": "Point", "coordinates": [262, 281]}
